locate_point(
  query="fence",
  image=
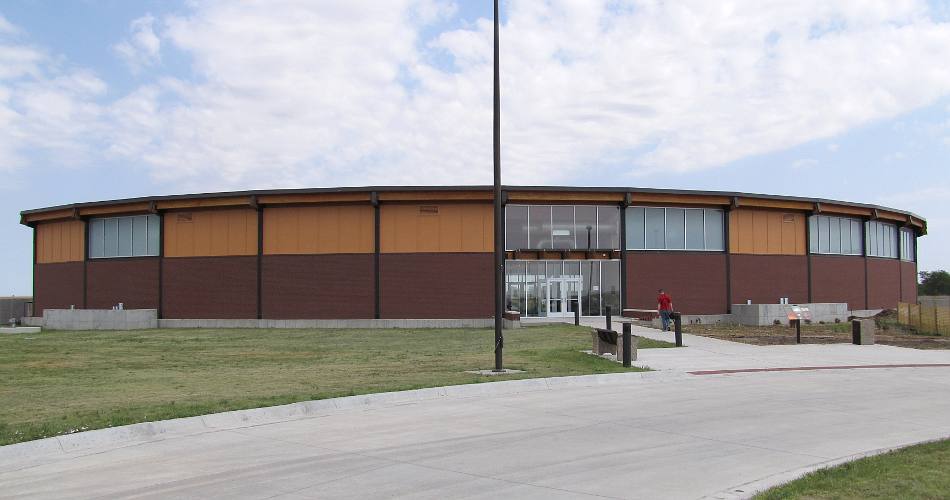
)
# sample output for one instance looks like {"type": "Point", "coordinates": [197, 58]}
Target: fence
{"type": "Point", "coordinates": [926, 319]}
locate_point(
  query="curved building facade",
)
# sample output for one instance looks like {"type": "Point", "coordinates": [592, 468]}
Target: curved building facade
{"type": "Point", "coordinates": [426, 252]}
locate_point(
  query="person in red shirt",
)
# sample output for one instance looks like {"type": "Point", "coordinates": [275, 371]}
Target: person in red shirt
{"type": "Point", "coordinates": [664, 305]}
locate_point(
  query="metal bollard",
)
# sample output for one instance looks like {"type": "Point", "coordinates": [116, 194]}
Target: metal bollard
{"type": "Point", "coordinates": [798, 330]}
{"type": "Point", "coordinates": [607, 310]}
{"type": "Point", "coordinates": [678, 328]}
{"type": "Point", "coordinates": [577, 316]}
{"type": "Point", "coordinates": [626, 345]}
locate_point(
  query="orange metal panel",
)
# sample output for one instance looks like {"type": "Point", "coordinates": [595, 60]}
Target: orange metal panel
{"type": "Point", "coordinates": [452, 227]}
{"type": "Point", "coordinates": [766, 232]}
{"type": "Point", "coordinates": [60, 241]}
{"type": "Point", "coordinates": [318, 229]}
{"type": "Point", "coordinates": [211, 233]}
{"type": "Point", "coordinates": [774, 230]}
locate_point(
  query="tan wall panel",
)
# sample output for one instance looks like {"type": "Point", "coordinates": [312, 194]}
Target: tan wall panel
{"type": "Point", "coordinates": [766, 232]}
{"type": "Point", "coordinates": [455, 228]}
{"type": "Point", "coordinates": [62, 241]}
{"type": "Point", "coordinates": [318, 230]}
{"type": "Point", "coordinates": [211, 233]}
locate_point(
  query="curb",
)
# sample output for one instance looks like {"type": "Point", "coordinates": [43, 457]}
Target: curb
{"type": "Point", "coordinates": [752, 488]}
{"type": "Point", "coordinates": [23, 455]}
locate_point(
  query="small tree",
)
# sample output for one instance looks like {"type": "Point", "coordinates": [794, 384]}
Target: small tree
{"type": "Point", "coordinates": [934, 283]}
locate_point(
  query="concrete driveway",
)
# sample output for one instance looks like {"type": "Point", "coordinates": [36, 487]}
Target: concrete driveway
{"type": "Point", "coordinates": [666, 435]}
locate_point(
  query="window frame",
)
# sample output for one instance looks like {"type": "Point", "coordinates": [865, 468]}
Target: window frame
{"type": "Point", "coordinates": [118, 223]}
{"type": "Point", "coordinates": [686, 210]}
{"type": "Point", "coordinates": [815, 240]}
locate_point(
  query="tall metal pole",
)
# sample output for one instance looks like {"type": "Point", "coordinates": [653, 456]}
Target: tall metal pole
{"type": "Point", "coordinates": [499, 221]}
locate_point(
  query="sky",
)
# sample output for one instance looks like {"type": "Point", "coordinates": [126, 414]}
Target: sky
{"type": "Point", "coordinates": [112, 99]}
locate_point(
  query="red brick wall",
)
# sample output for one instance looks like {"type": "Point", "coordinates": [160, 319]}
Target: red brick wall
{"type": "Point", "coordinates": [436, 285]}
{"type": "Point", "coordinates": [133, 281]}
{"type": "Point", "coordinates": [336, 286]}
{"type": "Point", "coordinates": [909, 282]}
{"type": "Point", "coordinates": [209, 287]}
{"type": "Point", "coordinates": [838, 278]}
{"type": "Point", "coordinates": [766, 278]}
{"type": "Point", "coordinates": [883, 283]}
{"type": "Point", "coordinates": [695, 280]}
{"type": "Point", "coordinates": [57, 286]}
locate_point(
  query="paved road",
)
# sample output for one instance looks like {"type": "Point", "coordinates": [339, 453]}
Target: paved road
{"type": "Point", "coordinates": [669, 436]}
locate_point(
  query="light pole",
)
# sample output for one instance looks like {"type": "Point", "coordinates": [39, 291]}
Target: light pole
{"type": "Point", "coordinates": [499, 221]}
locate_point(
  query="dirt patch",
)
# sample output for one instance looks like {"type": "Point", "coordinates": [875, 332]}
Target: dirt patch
{"type": "Point", "coordinates": [888, 333]}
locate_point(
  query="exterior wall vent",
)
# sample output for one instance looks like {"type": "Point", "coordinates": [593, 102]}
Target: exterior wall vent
{"type": "Point", "coordinates": [429, 210]}
{"type": "Point", "coordinates": [788, 218]}
{"type": "Point", "coordinates": [184, 217]}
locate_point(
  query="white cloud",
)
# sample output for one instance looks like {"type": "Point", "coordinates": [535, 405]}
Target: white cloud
{"type": "Point", "coordinates": [302, 93]}
{"type": "Point", "coordinates": [45, 109]}
{"type": "Point", "coordinates": [296, 93]}
{"type": "Point", "coordinates": [833, 148]}
{"type": "Point", "coordinates": [143, 47]}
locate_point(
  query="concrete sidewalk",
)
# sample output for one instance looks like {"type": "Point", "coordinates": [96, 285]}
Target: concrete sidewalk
{"type": "Point", "coordinates": [705, 353]}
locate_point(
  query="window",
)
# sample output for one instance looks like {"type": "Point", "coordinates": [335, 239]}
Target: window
{"type": "Point", "coordinates": [881, 239]}
{"type": "Point", "coordinates": [133, 236]}
{"type": "Point", "coordinates": [561, 227]}
{"type": "Point", "coordinates": [651, 228]}
{"type": "Point", "coordinates": [908, 240]}
{"type": "Point", "coordinates": [834, 235]}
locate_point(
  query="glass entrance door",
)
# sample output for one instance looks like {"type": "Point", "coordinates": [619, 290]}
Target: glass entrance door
{"type": "Point", "coordinates": [563, 296]}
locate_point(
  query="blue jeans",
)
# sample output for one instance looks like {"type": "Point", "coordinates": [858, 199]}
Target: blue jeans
{"type": "Point", "coordinates": [665, 317]}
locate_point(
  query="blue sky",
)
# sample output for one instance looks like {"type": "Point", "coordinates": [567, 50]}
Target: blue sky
{"type": "Point", "coordinates": [112, 99]}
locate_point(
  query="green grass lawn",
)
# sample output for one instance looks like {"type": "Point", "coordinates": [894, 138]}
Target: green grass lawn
{"type": "Point", "coordinates": [59, 382]}
{"type": "Point", "coordinates": [921, 471]}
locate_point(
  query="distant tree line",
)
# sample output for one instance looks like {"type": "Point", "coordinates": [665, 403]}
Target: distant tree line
{"type": "Point", "coordinates": [934, 283]}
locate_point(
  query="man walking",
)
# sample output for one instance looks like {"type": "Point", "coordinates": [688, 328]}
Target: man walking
{"type": "Point", "coordinates": [664, 305]}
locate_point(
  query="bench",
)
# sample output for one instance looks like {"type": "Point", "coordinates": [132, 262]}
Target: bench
{"type": "Point", "coordinates": [610, 342]}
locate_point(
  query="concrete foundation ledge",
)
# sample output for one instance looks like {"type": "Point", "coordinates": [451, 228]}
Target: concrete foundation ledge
{"type": "Point", "coordinates": [19, 329]}
{"type": "Point", "coordinates": [335, 323]}
{"type": "Point", "coordinates": [100, 319]}
{"type": "Point", "coordinates": [23, 455]}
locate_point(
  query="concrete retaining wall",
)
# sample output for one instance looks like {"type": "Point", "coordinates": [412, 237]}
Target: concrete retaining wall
{"type": "Point", "coordinates": [767, 314]}
{"type": "Point", "coordinates": [31, 321]}
{"type": "Point", "coordinates": [100, 319]}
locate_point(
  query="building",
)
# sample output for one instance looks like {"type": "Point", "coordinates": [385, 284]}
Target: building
{"type": "Point", "coordinates": [426, 252]}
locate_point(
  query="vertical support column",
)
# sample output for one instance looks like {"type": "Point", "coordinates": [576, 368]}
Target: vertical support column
{"type": "Point", "coordinates": [85, 262]}
{"type": "Point", "coordinates": [260, 255]}
{"type": "Point", "coordinates": [864, 251]}
{"type": "Point", "coordinates": [35, 229]}
{"type": "Point", "coordinates": [725, 239]}
{"type": "Point", "coordinates": [161, 262]}
{"type": "Point", "coordinates": [623, 252]}
{"type": "Point", "coordinates": [374, 199]}
{"type": "Point", "coordinates": [808, 253]}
